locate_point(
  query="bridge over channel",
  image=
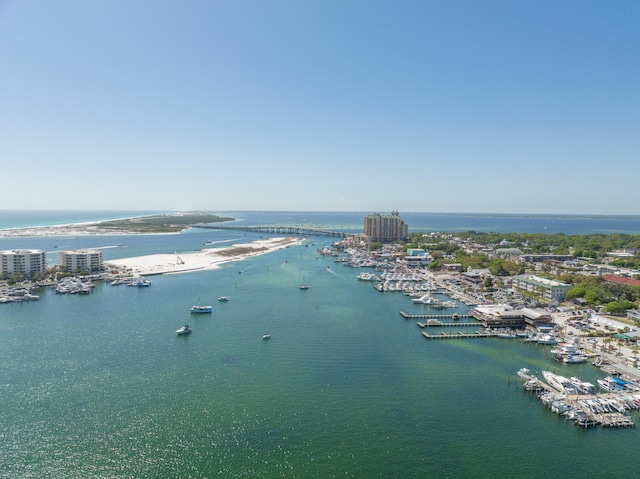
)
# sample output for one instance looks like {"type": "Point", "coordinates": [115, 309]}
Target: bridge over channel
{"type": "Point", "coordinates": [286, 230]}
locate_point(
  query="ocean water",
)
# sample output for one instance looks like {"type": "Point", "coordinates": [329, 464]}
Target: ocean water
{"type": "Point", "coordinates": [100, 386]}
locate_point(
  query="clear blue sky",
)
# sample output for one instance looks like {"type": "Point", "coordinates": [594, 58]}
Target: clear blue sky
{"type": "Point", "coordinates": [528, 106]}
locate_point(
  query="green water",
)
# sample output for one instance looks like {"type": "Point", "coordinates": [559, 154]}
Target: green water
{"type": "Point", "coordinates": [100, 386]}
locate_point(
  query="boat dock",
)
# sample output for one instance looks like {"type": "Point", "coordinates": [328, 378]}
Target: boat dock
{"type": "Point", "coordinates": [460, 334]}
{"type": "Point", "coordinates": [586, 410]}
{"type": "Point", "coordinates": [434, 316]}
{"type": "Point", "coordinates": [445, 325]}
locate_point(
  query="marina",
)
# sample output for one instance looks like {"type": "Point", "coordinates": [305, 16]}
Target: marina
{"type": "Point", "coordinates": [223, 401]}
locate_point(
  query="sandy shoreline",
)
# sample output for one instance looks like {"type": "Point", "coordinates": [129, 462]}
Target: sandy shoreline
{"type": "Point", "coordinates": [76, 229]}
{"type": "Point", "coordinates": [205, 259]}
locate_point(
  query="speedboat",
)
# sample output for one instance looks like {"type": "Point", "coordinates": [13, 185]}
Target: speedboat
{"type": "Point", "coordinates": [185, 329]}
{"type": "Point", "coordinates": [266, 336]}
{"type": "Point", "coordinates": [200, 309]}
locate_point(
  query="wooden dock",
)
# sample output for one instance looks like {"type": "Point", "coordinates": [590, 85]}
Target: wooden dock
{"type": "Point", "coordinates": [432, 316]}
{"type": "Point", "coordinates": [448, 325]}
{"type": "Point", "coordinates": [460, 334]}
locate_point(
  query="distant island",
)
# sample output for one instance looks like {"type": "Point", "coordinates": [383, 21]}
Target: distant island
{"type": "Point", "coordinates": [155, 224]}
{"type": "Point", "coordinates": [169, 223]}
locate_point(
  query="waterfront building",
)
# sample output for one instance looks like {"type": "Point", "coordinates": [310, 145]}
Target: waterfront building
{"type": "Point", "coordinates": [504, 316]}
{"type": "Point", "coordinates": [86, 260]}
{"type": "Point", "coordinates": [549, 290]}
{"type": "Point", "coordinates": [22, 261]}
{"type": "Point", "coordinates": [384, 228]}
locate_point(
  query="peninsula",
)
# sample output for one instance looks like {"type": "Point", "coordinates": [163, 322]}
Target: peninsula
{"type": "Point", "coordinates": [155, 224]}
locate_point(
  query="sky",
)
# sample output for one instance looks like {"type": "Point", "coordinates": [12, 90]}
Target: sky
{"type": "Point", "coordinates": [489, 106]}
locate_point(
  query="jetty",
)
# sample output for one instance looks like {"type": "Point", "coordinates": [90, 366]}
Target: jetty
{"type": "Point", "coordinates": [435, 316]}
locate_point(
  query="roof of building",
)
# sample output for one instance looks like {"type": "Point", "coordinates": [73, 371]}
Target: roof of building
{"type": "Point", "coordinates": [612, 278]}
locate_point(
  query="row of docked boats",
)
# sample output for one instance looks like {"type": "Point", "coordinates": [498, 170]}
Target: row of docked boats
{"type": "Point", "coordinates": [74, 286]}
{"type": "Point", "coordinates": [16, 295]}
{"type": "Point", "coordinates": [591, 410]}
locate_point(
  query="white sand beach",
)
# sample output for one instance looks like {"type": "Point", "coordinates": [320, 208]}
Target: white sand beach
{"type": "Point", "coordinates": [202, 260]}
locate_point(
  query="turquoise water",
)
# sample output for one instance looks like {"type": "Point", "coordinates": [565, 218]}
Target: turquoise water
{"type": "Point", "coordinates": [100, 386]}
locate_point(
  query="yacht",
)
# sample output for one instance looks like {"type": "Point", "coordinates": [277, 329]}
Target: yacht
{"type": "Point", "coordinates": [557, 382]}
{"type": "Point", "coordinates": [612, 384]}
{"type": "Point", "coordinates": [200, 309]}
{"type": "Point", "coordinates": [582, 386]}
{"type": "Point", "coordinates": [185, 329]}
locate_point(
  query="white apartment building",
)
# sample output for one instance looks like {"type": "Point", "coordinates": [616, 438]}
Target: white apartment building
{"type": "Point", "coordinates": [82, 260]}
{"type": "Point", "coordinates": [22, 261]}
{"type": "Point", "coordinates": [549, 289]}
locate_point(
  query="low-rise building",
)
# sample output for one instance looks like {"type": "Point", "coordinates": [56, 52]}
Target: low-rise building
{"type": "Point", "coordinates": [547, 289]}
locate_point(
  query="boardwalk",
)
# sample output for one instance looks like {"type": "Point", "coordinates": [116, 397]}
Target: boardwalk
{"type": "Point", "coordinates": [282, 230]}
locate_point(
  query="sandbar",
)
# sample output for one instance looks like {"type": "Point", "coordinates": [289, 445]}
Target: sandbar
{"type": "Point", "coordinates": [209, 258]}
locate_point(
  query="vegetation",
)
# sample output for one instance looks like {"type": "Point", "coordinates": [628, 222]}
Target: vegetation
{"type": "Point", "coordinates": [162, 223]}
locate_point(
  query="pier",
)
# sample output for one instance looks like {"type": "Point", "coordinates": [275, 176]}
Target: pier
{"type": "Point", "coordinates": [460, 334]}
{"type": "Point", "coordinates": [282, 230]}
{"type": "Point", "coordinates": [435, 316]}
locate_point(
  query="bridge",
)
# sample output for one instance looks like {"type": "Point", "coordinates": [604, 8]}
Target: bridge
{"type": "Point", "coordinates": [282, 230]}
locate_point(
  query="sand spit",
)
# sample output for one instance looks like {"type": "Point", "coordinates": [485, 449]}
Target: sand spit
{"type": "Point", "coordinates": [210, 258]}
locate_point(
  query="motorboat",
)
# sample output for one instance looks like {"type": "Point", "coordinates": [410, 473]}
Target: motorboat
{"type": "Point", "coordinates": [223, 298]}
{"type": "Point", "coordinates": [185, 329]}
{"type": "Point", "coordinates": [559, 383]}
{"type": "Point", "coordinates": [200, 309]}
{"type": "Point", "coordinates": [304, 286]}
{"type": "Point", "coordinates": [582, 386]}
{"type": "Point", "coordinates": [547, 339]}
{"type": "Point", "coordinates": [612, 384]}
{"type": "Point", "coordinates": [575, 359]}
{"type": "Point", "coordinates": [266, 336]}
{"type": "Point", "coordinates": [525, 373]}
{"type": "Point", "coordinates": [140, 283]}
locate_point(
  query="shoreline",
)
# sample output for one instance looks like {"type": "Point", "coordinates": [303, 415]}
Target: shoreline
{"type": "Point", "coordinates": [206, 259]}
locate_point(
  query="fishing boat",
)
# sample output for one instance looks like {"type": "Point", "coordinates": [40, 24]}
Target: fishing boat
{"type": "Point", "coordinates": [184, 330]}
{"type": "Point", "coordinates": [200, 309]}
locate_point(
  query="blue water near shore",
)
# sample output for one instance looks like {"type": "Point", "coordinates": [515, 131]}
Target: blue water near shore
{"type": "Point", "coordinates": [100, 386]}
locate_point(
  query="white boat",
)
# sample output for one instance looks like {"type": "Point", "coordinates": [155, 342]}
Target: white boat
{"type": "Point", "coordinates": [559, 383]}
{"type": "Point", "coordinates": [266, 336]}
{"type": "Point", "coordinates": [582, 386]}
{"type": "Point", "coordinates": [506, 335]}
{"type": "Point", "coordinates": [547, 339]}
{"type": "Point", "coordinates": [304, 286]}
{"type": "Point", "coordinates": [575, 359]}
{"type": "Point", "coordinates": [200, 309]}
{"type": "Point", "coordinates": [140, 283]}
{"type": "Point", "coordinates": [185, 329]}
{"type": "Point", "coordinates": [612, 384]}
{"type": "Point", "coordinates": [223, 298]}
{"type": "Point", "coordinates": [565, 350]}
{"type": "Point", "coordinates": [525, 373]}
